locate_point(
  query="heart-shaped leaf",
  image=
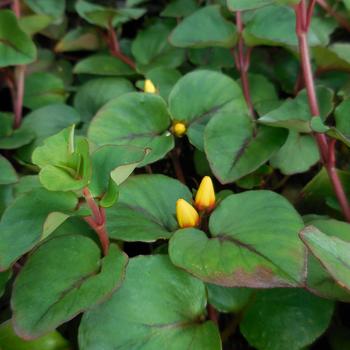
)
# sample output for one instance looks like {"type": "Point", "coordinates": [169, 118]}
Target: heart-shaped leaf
{"type": "Point", "coordinates": [297, 155]}
{"type": "Point", "coordinates": [102, 64]}
{"type": "Point", "coordinates": [16, 47]}
{"type": "Point", "coordinates": [254, 243]}
{"type": "Point", "coordinates": [235, 149]}
{"type": "Point", "coordinates": [285, 319]}
{"type": "Point", "coordinates": [92, 95]}
{"type": "Point", "coordinates": [136, 119]}
{"type": "Point", "coordinates": [203, 95]}
{"type": "Point", "coordinates": [157, 307]}
{"type": "Point", "coordinates": [206, 27]}
{"type": "Point", "coordinates": [63, 277]}
{"type": "Point", "coordinates": [19, 236]}
{"type": "Point", "coordinates": [145, 210]}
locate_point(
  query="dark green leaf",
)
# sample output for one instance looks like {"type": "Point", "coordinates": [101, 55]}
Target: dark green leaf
{"type": "Point", "coordinates": [204, 28]}
{"type": "Point", "coordinates": [52, 8]}
{"type": "Point", "coordinates": [8, 174]}
{"type": "Point", "coordinates": [285, 319]}
{"type": "Point", "coordinates": [145, 210]}
{"type": "Point", "coordinates": [63, 277]}
{"type": "Point", "coordinates": [254, 243]}
{"type": "Point", "coordinates": [33, 208]}
{"type": "Point", "coordinates": [157, 307]}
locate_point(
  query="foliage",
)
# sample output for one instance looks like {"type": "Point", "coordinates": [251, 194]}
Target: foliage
{"type": "Point", "coordinates": [174, 175]}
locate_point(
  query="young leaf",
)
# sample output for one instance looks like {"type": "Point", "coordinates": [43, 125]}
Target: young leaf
{"type": "Point", "coordinates": [63, 277]}
{"type": "Point", "coordinates": [157, 307]}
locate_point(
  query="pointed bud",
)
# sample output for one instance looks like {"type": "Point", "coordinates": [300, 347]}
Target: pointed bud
{"type": "Point", "coordinates": [179, 129]}
{"type": "Point", "coordinates": [149, 87]}
{"type": "Point", "coordinates": [186, 215]}
{"type": "Point", "coordinates": [205, 196]}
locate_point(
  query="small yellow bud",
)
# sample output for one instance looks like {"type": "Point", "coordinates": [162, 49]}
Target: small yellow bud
{"type": "Point", "coordinates": [179, 129]}
{"type": "Point", "coordinates": [205, 196]}
{"type": "Point", "coordinates": [149, 87]}
{"type": "Point", "coordinates": [186, 215]}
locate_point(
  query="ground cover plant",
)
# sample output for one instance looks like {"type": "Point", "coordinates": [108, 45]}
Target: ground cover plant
{"type": "Point", "coordinates": [174, 174]}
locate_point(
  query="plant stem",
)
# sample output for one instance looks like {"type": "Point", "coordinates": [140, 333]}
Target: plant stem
{"type": "Point", "coordinates": [242, 60]}
{"type": "Point", "coordinates": [174, 156]}
{"type": "Point", "coordinates": [342, 21]}
{"type": "Point", "coordinates": [327, 150]}
{"type": "Point", "coordinates": [97, 220]}
{"type": "Point", "coordinates": [18, 103]}
{"type": "Point", "coordinates": [114, 48]}
{"type": "Point", "coordinates": [213, 314]}
{"type": "Point", "coordinates": [16, 8]}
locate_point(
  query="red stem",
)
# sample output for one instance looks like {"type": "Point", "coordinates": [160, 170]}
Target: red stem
{"type": "Point", "coordinates": [114, 48]}
{"type": "Point", "coordinates": [16, 8]}
{"type": "Point", "coordinates": [213, 314]}
{"type": "Point", "coordinates": [174, 156]}
{"type": "Point", "coordinates": [327, 150]}
{"type": "Point", "coordinates": [242, 60]}
{"type": "Point", "coordinates": [18, 103]}
{"type": "Point", "coordinates": [342, 21]}
{"type": "Point", "coordinates": [97, 220]}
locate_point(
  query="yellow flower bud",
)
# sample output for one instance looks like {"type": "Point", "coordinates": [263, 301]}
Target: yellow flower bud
{"type": "Point", "coordinates": [179, 129]}
{"type": "Point", "coordinates": [205, 196]}
{"type": "Point", "coordinates": [186, 215]}
{"type": "Point", "coordinates": [149, 87]}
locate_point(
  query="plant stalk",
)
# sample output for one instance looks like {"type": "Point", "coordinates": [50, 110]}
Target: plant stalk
{"type": "Point", "coordinates": [342, 21]}
{"type": "Point", "coordinates": [326, 149]}
{"type": "Point", "coordinates": [114, 48]}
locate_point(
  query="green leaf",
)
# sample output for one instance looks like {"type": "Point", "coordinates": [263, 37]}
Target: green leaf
{"type": "Point", "coordinates": [203, 95]}
{"type": "Point", "coordinates": [145, 210]}
{"type": "Point", "coordinates": [79, 39]}
{"type": "Point", "coordinates": [151, 48]}
{"type": "Point", "coordinates": [104, 16]}
{"type": "Point", "coordinates": [228, 299]}
{"type": "Point", "coordinates": [342, 117]}
{"type": "Point", "coordinates": [234, 150]}
{"type": "Point", "coordinates": [180, 8]}
{"type": "Point", "coordinates": [254, 243]}
{"type": "Point", "coordinates": [334, 56]}
{"type": "Point", "coordinates": [111, 166]}
{"type": "Point", "coordinates": [260, 30]}
{"type": "Point", "coordinates": [136, 119]}
{"type": "Point", "coordinates": [242, 5]}
{"type": "Point", "coordinates": [52, 8]}
{"type": "Point", "coordinates": [9, 340]}
{"type": "Point", "coordinates": [331, 251]}
{"type": "Point", "coordinates": [285, 319]}
{"type": "Point", "coordinates": [64, 162]}
{"type": "Point", "coordinates": [102, 64]}
{"type": "Point", "coordinates": [157, 307]}
{"type": "Point", "coordinates": [19, 236]}
{"type": "Point", "coordinates": [212, 57]}
{"type": "Point", "coordinates": [295, 114]}
{"type": "Point", "coordinates": [164, 79]}
{"type": "Point", "coordinates": [297, 155]}
{"type": "Point", "coordinates": [92, 95]}
{"type": "Point", "coordinates": [43, 88]}
{"type": "Point", "coordinates": [77, 278]}
{"type": "Point", "coordinates": [8, 174]}
{"type": "Point", "coordinates": [16, 47]}
{"type": "Point", "coordinates": [319, 280]}
{"type": "Point", "coordinates": [44, 122]}
{"type": "Point", "coordinates": [204, 28]}
{"type": "Point", "coordinates": [33, 24]}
